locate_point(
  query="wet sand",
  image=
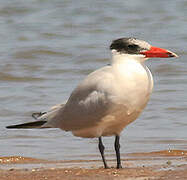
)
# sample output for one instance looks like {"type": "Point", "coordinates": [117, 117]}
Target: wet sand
{"type": "Point", "coordinates": [169, 165]}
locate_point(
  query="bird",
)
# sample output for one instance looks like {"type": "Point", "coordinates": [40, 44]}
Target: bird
{"type": "Point", "coordinates": [109, 98]}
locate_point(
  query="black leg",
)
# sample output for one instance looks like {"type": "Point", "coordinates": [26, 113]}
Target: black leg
{"type": "Point", "coordinates": [117, 147]}
{"type": "Point", "coordinates": [101, 149]}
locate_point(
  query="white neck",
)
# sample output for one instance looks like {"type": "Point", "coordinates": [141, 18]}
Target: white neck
{"type": "Point", "coordinates": [120, 58]}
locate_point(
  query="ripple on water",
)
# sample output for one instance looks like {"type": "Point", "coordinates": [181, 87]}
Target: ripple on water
{"type": "Point", "coordinates": [13, 78]}
{"type": "Point", "coordinates": [34, 53]}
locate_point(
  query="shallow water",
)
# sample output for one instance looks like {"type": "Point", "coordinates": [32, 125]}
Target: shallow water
{"type": "Point", "coordinates": [161, 160]}
{"type": "Point", "coordinates": [47, 47]}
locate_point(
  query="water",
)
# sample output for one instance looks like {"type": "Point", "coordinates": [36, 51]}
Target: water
{"type": "Point", "coordinates": [48, 47]}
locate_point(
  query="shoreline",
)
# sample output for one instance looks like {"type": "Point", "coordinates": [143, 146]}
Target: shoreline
{"type": "Point", "coordinates": [170, 164]}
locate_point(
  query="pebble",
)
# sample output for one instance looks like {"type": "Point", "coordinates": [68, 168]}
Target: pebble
{"type": "Point", "coordinates": [169, 162]}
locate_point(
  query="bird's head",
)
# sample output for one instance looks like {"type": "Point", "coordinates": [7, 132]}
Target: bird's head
{"type": "Point", "coordinates": [133, 46]}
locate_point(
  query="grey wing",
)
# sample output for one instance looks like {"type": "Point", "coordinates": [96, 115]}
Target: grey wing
{"type": "Point", "coordinates": [87, 105]}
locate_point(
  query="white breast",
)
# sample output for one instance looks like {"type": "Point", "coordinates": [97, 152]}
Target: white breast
{"type": "Point", "coordinates": [134, 82]}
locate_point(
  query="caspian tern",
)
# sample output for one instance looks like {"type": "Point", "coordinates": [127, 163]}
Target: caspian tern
{"type": "Point", "coordinates": [108, 99]}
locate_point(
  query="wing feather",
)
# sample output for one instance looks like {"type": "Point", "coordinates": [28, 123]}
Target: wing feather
{"type": "Point", "coordinates": [88, 103]}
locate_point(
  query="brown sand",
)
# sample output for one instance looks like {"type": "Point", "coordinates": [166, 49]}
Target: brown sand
{"type": "Point", "coordinates": [163, 165]}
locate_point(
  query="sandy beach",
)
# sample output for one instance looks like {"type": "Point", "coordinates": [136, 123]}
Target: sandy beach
{"type": "Point", "coordinates": [169, 165]}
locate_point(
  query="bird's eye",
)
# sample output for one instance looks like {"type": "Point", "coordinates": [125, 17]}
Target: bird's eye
{"type": "Point", "coordinates": [133, 46]}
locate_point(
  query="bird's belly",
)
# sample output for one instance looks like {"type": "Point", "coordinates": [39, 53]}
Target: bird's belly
{"type": "Point", "coordinates": [114, 123]}
{"type": "Point", "coordinates": [111, 124]}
